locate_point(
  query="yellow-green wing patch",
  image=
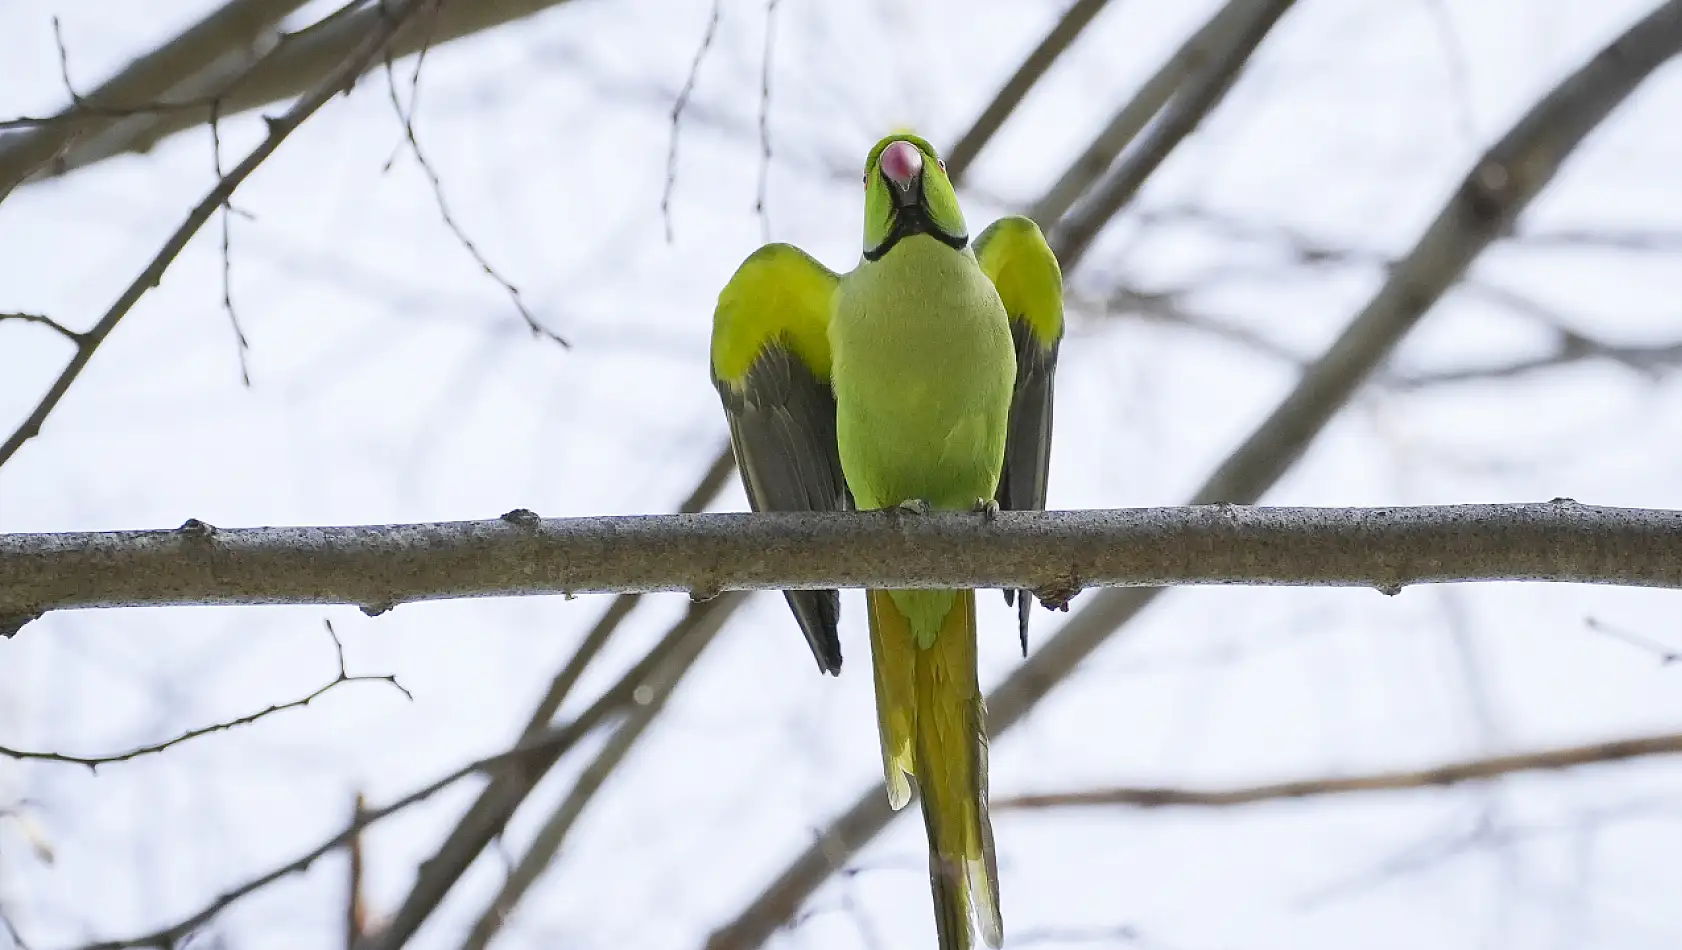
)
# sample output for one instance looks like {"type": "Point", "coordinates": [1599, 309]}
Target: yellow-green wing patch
{"type": "Point", "coordinates": [770, 364]}
{"type": "Point", "coordinates": [1014, 255]}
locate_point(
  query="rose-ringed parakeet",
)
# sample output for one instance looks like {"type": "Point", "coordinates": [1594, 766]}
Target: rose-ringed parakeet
{"type": "Point", "coordinates": [920, 379]}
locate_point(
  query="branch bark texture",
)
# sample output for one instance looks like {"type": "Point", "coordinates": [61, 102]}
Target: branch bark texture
{"type": "Point", "coordinates": [1055, 552]}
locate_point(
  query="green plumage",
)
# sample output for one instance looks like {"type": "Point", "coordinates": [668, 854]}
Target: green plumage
{"type": "Point", "coordinates": [921, 377]}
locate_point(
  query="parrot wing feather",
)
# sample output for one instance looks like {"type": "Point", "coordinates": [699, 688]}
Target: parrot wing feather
{"type": "Point", "coordinates": [770, 364]}
{"type": "Point", "coordinates": [1014, 255]}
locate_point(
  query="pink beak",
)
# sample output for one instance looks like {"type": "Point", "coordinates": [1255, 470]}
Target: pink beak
{"type": "Point", "coordinates": [901, 163]}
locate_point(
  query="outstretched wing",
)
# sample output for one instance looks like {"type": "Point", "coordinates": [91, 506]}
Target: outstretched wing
{"type": "Point", "coordinates": [1013, 254]}
{"type": "Point", "coordinates": [770, 363]}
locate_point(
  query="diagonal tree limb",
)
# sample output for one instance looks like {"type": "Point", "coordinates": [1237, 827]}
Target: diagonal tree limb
{"type": "Point", "coordinates": [226, 42]}
{"type": "Point", "coordinates": [1055, 552]}
{"type": "Point", "coordinates": [291, 68]}
{"type": "Point", "coordinates": [1204, 90]}
{"type": "Point", "coordinates": [361, 55]}
{"type": "Point", "coordinates": [1194, 55]}
{"type": "Point", "coordinates": [1499, 186]}
{"type": "Point", "coordinates": [1075, 21]}
{"type": "Point", "coordinates": [546, 844]}
{"type": "Point", "coordinates": [436, 875]}
{"type": "Point", "coordinates": [523, 758]}
{"type": "Point", "coordinates": [498, 802]}
{"type": "Point", "coordinates": [1442, 776]}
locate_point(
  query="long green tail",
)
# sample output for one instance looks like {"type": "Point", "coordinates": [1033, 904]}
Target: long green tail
{"type": "Point", "coordinates": [933, 723]}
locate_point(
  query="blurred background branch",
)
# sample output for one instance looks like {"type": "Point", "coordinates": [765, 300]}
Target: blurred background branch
{"type": "Point", "coordinates": [1453, 773]}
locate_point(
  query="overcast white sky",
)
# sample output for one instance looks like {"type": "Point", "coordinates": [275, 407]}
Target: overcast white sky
{"type": "Point", "coordinates": [393, 381]}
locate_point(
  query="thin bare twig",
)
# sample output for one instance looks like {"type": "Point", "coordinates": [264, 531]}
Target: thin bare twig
{"type": "Point", "coordinates": [241, 344]}
{"type": "Point", "coordinates": [678, 106]}
{"type": "Point", "coordinates": [1665, 654]}
{"type": "Point", "coordinates": [342, 677]}
{"type": "Point", "coordinates": [406, 118]}
{"type": "Point", "coordinates": [1570, 347]}
{"type": "Point", "coordinates": [279, 128]}
{"type": "Point", "coordinates": [766, 59]}
{"type": "Point", "coordinates": [1617, 239]}
{"type": "Point", "coordinates": [1454, 773]}
{"type": "Point", "coordinates": [47, 322]}
{"type": "Point", "coordinates": [87, 109]}
{"type": "Point", "coordinates": [559, 738]}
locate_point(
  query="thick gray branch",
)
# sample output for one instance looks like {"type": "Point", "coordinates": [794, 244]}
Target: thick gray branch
{"type": "Point", "coordinates": [224, 43]}
{"type": "Point", "coordinates": [1057, 551]}
{"type": "Point", "coordinates": [289, 69]}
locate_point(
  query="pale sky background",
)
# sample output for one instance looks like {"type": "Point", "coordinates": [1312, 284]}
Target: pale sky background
{"type": "Point", "coordinates": [393, 381]}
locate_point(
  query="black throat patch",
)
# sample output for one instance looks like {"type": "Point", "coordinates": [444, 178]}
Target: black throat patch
{"type": "Point", "coordinates": [914, 219]}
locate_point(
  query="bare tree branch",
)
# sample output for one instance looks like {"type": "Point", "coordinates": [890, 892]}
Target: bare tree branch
{"type": "Point", "coordinates": [497, 803]}
{"type": "Point", "coordinates": [384, 28]}
{"type": "Point", "coordinates": [1664, 242]}
{"type": "Point", "coordinates": [652, 675]}
{"type": "Point", "coordinates": [341, 678]}
{"type": "Point", "coordinates": [407, 119]}
{"type": "Point", "coordinates": [547, 843]}
{"type": "Point", "coordinates": [1055, 552]}
{"type": "Point", "coordinates": [1195, 54]}
{"type": "Point", "coordinates": [1500, 185]}
{"type": "Point", "coordinates": [678, 105]}
{"type": "Point", "coordinates": [159, 84]}
{"type": "Point", "coordinates": [1453, 773]}
{"type": "Point", "coordinates": [767, 57]}
{"type": "Point", "coordinates": [1205, 89]}
{"type": "Point", "coordinates": [1569, 348]}
{"type": "Point", "coordinates": [47, 322]}
{"type": "Point", "coordinates": [1075, 20]}
{"type": "Point", "coordinates": [287, 68]}
{"type": "Point", "coordinates": [356, 905]}
{"type": "Point", "coordinates": [522, 759]}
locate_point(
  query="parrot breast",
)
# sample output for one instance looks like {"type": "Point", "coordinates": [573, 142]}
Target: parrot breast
{"type": "Point", "coordinates": [923, 370]}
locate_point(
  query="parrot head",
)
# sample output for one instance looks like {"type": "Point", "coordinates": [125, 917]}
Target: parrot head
{"type": "Point", "coordinates": [906, 192]}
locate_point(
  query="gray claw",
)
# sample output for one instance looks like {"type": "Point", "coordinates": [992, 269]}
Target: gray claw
{"type": "Point", "coordinates": [915, 506]}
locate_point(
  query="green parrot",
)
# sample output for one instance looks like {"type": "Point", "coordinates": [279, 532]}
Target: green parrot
{"type": "Point", "coordinates": [920, 379]}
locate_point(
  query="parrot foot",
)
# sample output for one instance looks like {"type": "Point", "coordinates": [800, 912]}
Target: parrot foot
{"type": "Point", "coordinates": [914, 506]}
{"type": "Point", "coordinates": [988, 508]}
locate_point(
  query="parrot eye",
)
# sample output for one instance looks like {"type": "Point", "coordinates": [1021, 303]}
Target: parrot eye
{"type": "Point", "coordinates": [942, 164]}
